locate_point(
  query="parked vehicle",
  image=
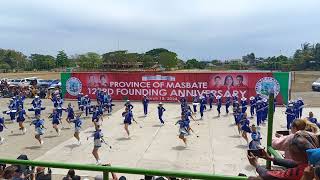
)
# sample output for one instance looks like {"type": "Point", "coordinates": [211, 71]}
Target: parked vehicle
{"type": "Point", "coordinates": [55, 83]}
{"type": "Point", "coordinates": [316, 85]}
{"type": "Point", "coordinates": [14, 82]}
{"type": "Point", "coordinates": [44, 83]}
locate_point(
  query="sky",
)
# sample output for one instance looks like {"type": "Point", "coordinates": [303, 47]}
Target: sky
{"type": "Point", "coordinates": [202, 29]}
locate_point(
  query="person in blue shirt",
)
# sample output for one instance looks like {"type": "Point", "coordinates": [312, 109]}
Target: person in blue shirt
{"type": "Point", "coordinates": [183, 129]}
{"type": "Point", "coordinates": [55, 121]}
{"type": "Point", "coordinates": [70, 113]}
{"type": "Point", "coordinates": [79, 98]}
{"type": "Point", "coordinates": [202, 106]}
{"type": "Point", "coordinates": [228, 103]}
{"type": "Point", "coordinates": [234, 97]}
{"type": "Point", "coordinates": [219, 104]}
{"type": "Point", "coordinates": [255, 143]}
{"type": "Point", "coordinates": [128, 117]}
{"type": "Point", "coordinates": [300, 108]}
{"type": "Point", "coordinates": [77, 127]}
{"type": "Point", "coordinates": [236, 111]}
{"type": "Point", "coordinates": [245, 127]}
{"type": "Point", "coordinates": [296, 108]}
{"type": "Point", "coordinates": [96, 117]}
{"type": "Point", "coordinates": [211, 99]}
{"type": "Point", "coordinates": [36, 106]}
{"type": "Point", "coordinates": [108, 103]}
{"type": "Point", "coordinates": [20, 100]}
{"type": "Point", "coordinates": [244, 104]}
{"type": "Point", "coordinates": [195, 102]}
{"type": "Point", "coordinates": [82, 104]}
{"type": "Point", "coordinates": [186, 118]}
{"type": "Point", "coordinates": [2, 125]}
{"type": "Point", "coordinates": [128, 105]}
{"type": "Point", "coordinates": [183, 103]}
{"type": "Point", "coordinates": [265, 107]}
{"type": "Point", "coordinates": [87, 104]}
{"type": "Point", "coordinates": [259, 111]}
{"type": "Point", "coordinates": [145, 103]}
{"type": "Point", "coordinates": [20, 119]}
{"type": "Point", "coordinates": [97, 140]}
{"type": "Point", "coordinates": [39, 128]}
{"type": "Point", "coordinates": [58, 105]}
{"type": "Point", "coordinates": [161, 109]}
{"type": "Point", "coordinates": [313, 119]}
{"type": "Point", "coordinates": [291, 116]}
{"type": "Point", "coordinates": [252, 106]}
{"type": "Point", "coordinates": [12, 109]}
{"type": "Point", "coordinates": [205, 101]}
{"type": "Point", "coordinates": [98, 95]}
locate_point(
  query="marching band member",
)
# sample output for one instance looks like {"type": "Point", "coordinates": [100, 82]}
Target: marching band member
{"type": "Point", "coordinates": [219, 104]}
{"type": "Point", "coordinates": [145, 103]}
{"type": "Point", "coordinates": [252, 105]}
{"type": "Point", "coordinates": [161, 109]}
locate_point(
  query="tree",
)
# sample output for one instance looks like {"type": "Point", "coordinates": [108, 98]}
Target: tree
{"type": "Point", "coordinates": [62, 59]}
{"type": "Point", "coordinates": [116, 57]}
{"type": "Point", "coordinates": [156, 52]}
{"type": "Point", "coordinates": [15, 59]}
{"type": "Point", "coordinates": [192, 63]}
{"type": "Point", "coordinates": [249, 59]}
{"type": "Point", "coordinates": [89, 60]}
{"type": "Point", "coordinates": [147, 60]}
{"type": "Point", "coordinates": [42, 62]}
{"type": "Point", "coordinates": [168, 59]}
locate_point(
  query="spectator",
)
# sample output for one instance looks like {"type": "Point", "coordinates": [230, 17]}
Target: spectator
{"type": "Point", "coordinates": [298, 145]}
{"type": "Point", "coordinates": [8, 172]}
{"type": "Point", "coordinates": [114, 176]}
{"type": "Point", "coordinates": [281, 143]}
{"type": "Point", "coordinates": [41, 175]}
{"type": "Point", "coordinates": [71, 175]}
{"type": "Point", "coordinates": [311, 173]}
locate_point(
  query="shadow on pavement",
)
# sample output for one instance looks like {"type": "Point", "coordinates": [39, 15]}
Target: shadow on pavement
{"type": "Point", "coordinates": [33, 147]}
{"type": "Point", "coordinates": [179, 148]}
{"type": "Point", "coordinates": [240, 146]}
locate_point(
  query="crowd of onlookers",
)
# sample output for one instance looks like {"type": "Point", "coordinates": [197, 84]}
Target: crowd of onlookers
{"type": "Point", "coordinates": [8, 91]}
{"type": "Point", "coordinates": [301, 158]}
{"type": "Point", "coordinates": [23, 172]}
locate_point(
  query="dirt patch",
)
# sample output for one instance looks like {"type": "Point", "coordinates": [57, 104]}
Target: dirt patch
{"type": "Point", "coordinates": [40, 75]}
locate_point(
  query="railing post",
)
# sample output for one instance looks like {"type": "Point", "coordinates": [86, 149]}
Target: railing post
{"type": "Point", "coordinates": [270, 124]}
{"type": "Point", "coordinates": [105, 175]}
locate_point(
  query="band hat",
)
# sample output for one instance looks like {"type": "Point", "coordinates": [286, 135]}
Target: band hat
{"type": "Point", "coordinates": [36, 96]}
{"type": "Point", "coordinates": [265, 100]}
{"type": "Point", "coordinates": [290, 105]}
{"type": "Point", "coordinates": [160, 103]}
{"type": "Point", "coordinates": [251, 98]}
{"type": "Point", "coordinates": [243, 98]}
{"type": "Point", "coordinates": [218, 97]}
{"type": "Point", "coordinates": [300, 98]}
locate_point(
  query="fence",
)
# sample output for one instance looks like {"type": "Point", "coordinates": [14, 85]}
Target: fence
{"type": "Point", "coordinates": [106, 169]}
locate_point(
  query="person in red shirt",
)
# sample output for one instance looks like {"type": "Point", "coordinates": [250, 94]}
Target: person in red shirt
{"type": "Point", "coordinates": [240, 82]}
{"type": "Point", "coordinates": [295, 167]}
{"type": "Point", "coordinates": [216, 82]}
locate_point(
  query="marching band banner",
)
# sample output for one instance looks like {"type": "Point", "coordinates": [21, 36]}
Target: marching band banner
{"type": "Point", "coordinates": [170, 86]}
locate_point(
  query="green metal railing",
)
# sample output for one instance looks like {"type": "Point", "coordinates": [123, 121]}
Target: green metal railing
{"type": "Point", "coordinates": [107, 169]}
{"type": "Point", "coordinates": [271, 151]}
